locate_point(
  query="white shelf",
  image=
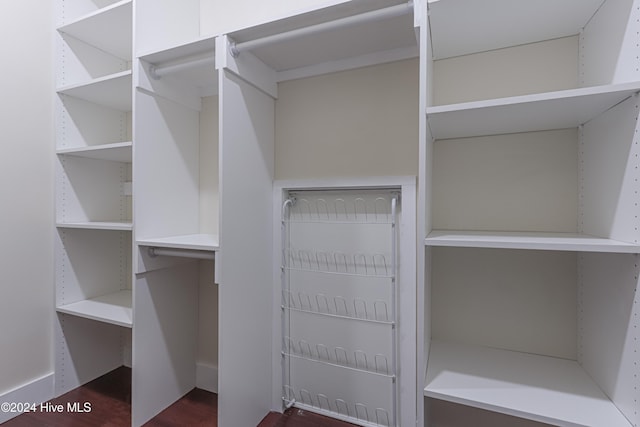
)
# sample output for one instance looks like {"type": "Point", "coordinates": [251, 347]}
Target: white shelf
{"type": "Point", "coordinates": [366, 42]}
{"type": "Point", "coordinates": [527, 113]}
{"type": "Point", "coordinates": [200, 242]}
{"type": "Point", "coordinates": [116, 152]}
{"type": "Point", "coordinates": [462, 27]}
{"type": "Point", "coordinates": [109, 29]}
{"type": "Point", "coordinates": [113, 91]}
{"type": "Point", "coordinates": [98, 225]}
{"type": "Point", "coordinates": [528, 240]}
{"type": "Point", "coordinates": [112, 308]}
{"type": "Point", "coordinates": [540, 388]}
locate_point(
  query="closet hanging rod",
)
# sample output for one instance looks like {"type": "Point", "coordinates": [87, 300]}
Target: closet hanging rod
{"type": "Point", "coordinates": [372, 16]}
{"type": "Point", "coordinates": [157, 72]}
{"type": "Point", "coordinates": [182, 253]}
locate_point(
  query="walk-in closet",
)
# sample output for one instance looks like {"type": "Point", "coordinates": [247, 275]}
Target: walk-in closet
{"type": "Point", "coordinates": [393, 213]}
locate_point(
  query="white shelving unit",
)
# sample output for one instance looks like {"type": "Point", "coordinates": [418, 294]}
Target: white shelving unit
{"type": "Point", "coordinates": [538, 183]}
{"type": "Point", "coordinates": [176, 182]}
{"type": "Point", "coordinates": [253, 65]}
{"type": "Point", "coordinates": [93, 190]}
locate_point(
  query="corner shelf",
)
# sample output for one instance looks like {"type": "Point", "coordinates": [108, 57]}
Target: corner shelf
{"type": "Point", "coordinates": [528, 240]}
{"type": "Point", "coordinates": [112, 308]}
{"type": "Point", "coordinates": [200, 242]}
{"type": "Point", "coordinates": [98, 225]}
{"type": "Point", "coordinates": [109, 29]}
{"type": "Point", "coordinates": [116, 152]}
{"type": "Point", "coordinates": [539, 388]}
{"type": "Point", "coordinates": [112, 91]}
{"type": "Point", "coordinates": [526, 113]}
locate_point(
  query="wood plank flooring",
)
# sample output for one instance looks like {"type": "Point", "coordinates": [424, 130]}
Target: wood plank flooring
{"type": "Point", "coordinates": [110, 400]}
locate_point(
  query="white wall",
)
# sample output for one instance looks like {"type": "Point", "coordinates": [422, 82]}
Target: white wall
{"type": "Point", "coordinates": [26, 187]}
{"type": "Point", "coordinates": [532, 68]}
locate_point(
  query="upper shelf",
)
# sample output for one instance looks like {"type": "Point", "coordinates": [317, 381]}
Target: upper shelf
{"type": "Point", "coordinates": [460, 27]}
{"type": "Point", "coordinates": [200, 242]}
{"type": "Point", "coordinates": [113, 91]}
{"type": "Point", "coordinates": [203, 76]}
{"type": "Point", "coordinates": [522, 240]}
{"type": "Point", "coordinates": [109, 29]}
{"type": "Point", "coordinates": [366, 41]}
{"type": "Point", "coordinates": [526, 113]}
{"type": "Point", "coordinates": [540, 388]}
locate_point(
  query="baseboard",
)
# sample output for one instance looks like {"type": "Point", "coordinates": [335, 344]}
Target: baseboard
{"type": "Point", "coordinates": [35, 392]}
{"type": "Point", "coordinates": [207, 377]}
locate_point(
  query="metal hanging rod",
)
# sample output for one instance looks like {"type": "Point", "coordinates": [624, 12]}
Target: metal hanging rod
{"type": "Point", "coordinates": [182, 253]}
{"type": "Point", "coordinates": [157, 72]}
{"type": "Point", "coordinates": [372, 16]}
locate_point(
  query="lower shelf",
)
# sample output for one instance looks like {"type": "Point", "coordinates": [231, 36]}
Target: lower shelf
{"type": "Point", "coordinates": [200, 242]}
{"type": "Point", "coordinates": [112, 308]}
{"type": "Point", "coordinates": [98, 225]}
{"type": "Point", "coordinates": [528, 240]}
{"type": "Point", "coordinates": [539, 388]}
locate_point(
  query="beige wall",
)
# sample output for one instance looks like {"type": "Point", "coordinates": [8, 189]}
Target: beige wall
{"type": "Point", "coordinates": [361, 122]}
{"type": "Point", "coordinates": [533, 68]}
{"type": "Point", "coordinates": [26, 187]}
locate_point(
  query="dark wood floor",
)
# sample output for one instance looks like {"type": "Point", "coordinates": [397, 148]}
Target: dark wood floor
{"type": "Point", "coordinates": [110, 400]}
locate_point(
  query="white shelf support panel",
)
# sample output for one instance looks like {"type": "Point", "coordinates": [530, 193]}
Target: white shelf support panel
{"type": "Point", "coordinates": [367, 17]}
{"type": "Point", "coordinates": [539, 388]}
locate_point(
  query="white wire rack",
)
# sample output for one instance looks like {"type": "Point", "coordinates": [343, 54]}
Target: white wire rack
{"type": "Point", "coordinates": [359, 384]}
{"type": "Point", "coordinates": [377, 364]}
{"type": "Point", "coordinates": [337, 306]}
{"type": "Point", "coordinates": [371, 210]}
{"type": "Point", "coordinates": [370, 265]}
{"type": "Point", "coordinates": [337, 408]}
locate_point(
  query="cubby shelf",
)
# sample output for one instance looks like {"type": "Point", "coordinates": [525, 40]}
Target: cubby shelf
{"type": "Point", "coordinates": [467, 26]}
{"type": "Point", "coordinates": [109, 29]}
{"type": "Point", "coordinates": [546, 389]}
{"type": "Point", "coordinates": [526, 113]}
{"type": "Point", "coordinates": [117, 152]}
{"type": "Point", "coordinates": [528, 240]}
{"type": "Point", "coordinates": [113, 91]}
{"type": "Point", "coordinates": [201, 242]}
{"type": "Point", "coordinates": [98, 225]}
{"type": "Point", "coordinates": [112, 308]}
